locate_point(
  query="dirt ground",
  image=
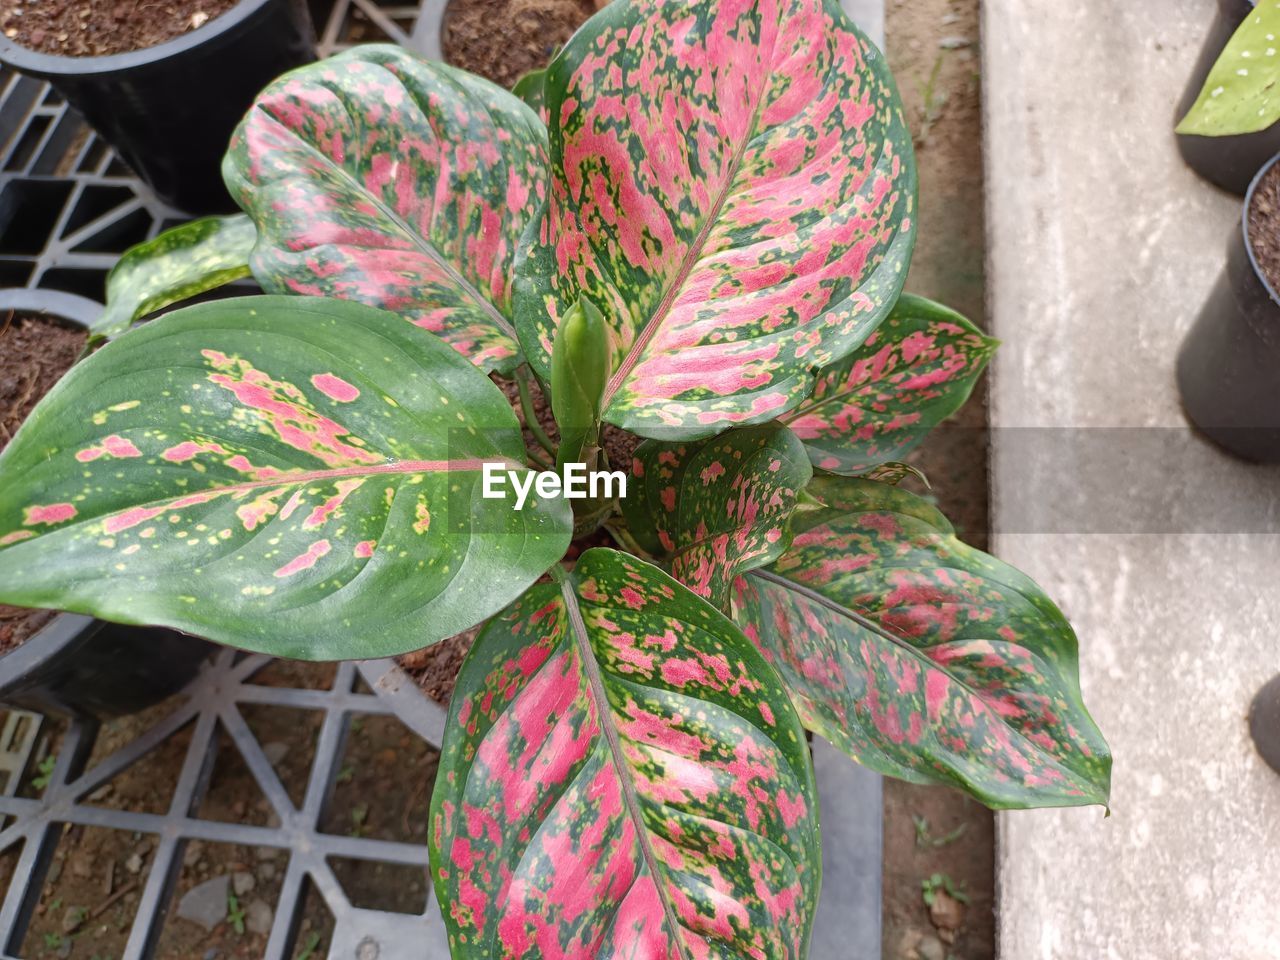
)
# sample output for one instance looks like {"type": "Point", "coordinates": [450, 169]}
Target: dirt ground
{"type": "Point", "coordinates": [934, 834]}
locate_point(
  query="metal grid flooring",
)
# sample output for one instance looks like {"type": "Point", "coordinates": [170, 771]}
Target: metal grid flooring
{"type": "Point", "coordinates": [212, 703]}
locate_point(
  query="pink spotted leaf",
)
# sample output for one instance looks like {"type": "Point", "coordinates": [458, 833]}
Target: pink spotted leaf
{"type": "Point", "coordinates": [405, 184]}
{"type": "Point", "coordinates": [716, 508]}
{"type": "Point", "coordinates": [921, 657]}
{"type": "Point", "coordinates": [622, 775]}
{"type": "Point", "coordinates": [733, 185]}
{"type": "Point", "coordinates": [877, 404]}
{"type": "Point", "coordinates": [296, 475]}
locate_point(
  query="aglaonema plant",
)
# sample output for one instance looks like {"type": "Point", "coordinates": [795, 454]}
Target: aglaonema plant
{"type": "Point", "coordinates": [704, 244]}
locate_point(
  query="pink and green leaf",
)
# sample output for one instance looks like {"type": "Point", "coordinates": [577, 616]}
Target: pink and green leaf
{"type": "Point", "coordinates": [379, 177]}
{"type": "Point", "coordinates": [921, 657]}
{"type": "Point", "coordinates": [733, 185]}
{"type": "Point", "coordinates": [716, 508]}
{"type": "Point", "coordinates": [622, 775]}
{"type": "Point", "coordinates": [296, 475]}
{"type": "Point", "coordinates": [877, 404]}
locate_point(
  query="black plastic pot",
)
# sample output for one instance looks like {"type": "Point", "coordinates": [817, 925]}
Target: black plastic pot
{"type": "Point", "coordinates": [1229, 363]}
{"type": "Point", "coordinates": [1264, 723]}
{"type": "Point", "coordinates": [76, 665]}
{"type": "Point", "coordinates": [1228, 162]}
{"type": "Point", "coordinates": [169, 110]}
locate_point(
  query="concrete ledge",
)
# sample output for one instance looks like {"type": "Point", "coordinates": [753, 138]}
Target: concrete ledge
{"type": "Point", "coordinates": [1102, 248]}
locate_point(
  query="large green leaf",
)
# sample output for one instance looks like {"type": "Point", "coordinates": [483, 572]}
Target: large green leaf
{"type": "Point", "coordinates": [733, 185]}
{"type": "Point", "coordinates": [924, 658]}
{"type": "Point", "coordinates": [379, 177]}
{"type": "Point", "coordinates": [1240, 95]}
{"type": "Point", "coordinates": [294, 475]}
{"type": "Point", "coordinates": [716, 508]}
{"type": "Point", "coordinates": [622, 776]}
{"type": "Point", "coordinates": [177, 265]}
{"type": "Point", "coordinates": [877, 404]}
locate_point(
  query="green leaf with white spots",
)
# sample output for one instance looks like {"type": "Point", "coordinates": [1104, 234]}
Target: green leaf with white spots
{"type": "Point", "coordinates": [294, 475]}
{"type": "Point", "coordinates": [717, 508]}
{"type": "Point", "coordinates": [922, 657]}
{"type": "Point", "coordinates": [623, 776]}
{"type": "Point", "coordinates": [1240, 94]}
{"type": "Point", "coordinates": [177, 265]}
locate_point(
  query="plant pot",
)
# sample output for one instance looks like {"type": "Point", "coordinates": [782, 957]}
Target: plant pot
{"type": "Point", "coordinates": [1264, 722]}
{"type": "Point", "coordinates": [1228, 162]}
{"type": "Point", "coordinates": [76, 665]}
{"type": "Point", "coordinates": [1229, 363]}
{"type": "Point", "coordinates": [170, 110]}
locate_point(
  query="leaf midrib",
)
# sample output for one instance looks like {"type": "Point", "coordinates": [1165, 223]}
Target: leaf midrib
{"type": "Point", "coordinates": [630, 796]}
{"type": "Point", "coordinates": [693, 256]}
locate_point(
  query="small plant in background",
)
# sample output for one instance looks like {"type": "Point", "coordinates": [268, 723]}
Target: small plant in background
{"type": "Point", "coordinates": [924, 838]}
{"type": "Point", "coordinates": [932, 885]}
{"type": "Point", "coordinates": [309, 948]}
{"type": "Point", "coordinates": [1240, 95]}
{"type": "Point", "coordinates": [700, 240]}
{"type": "Point", "coordinates": [235, 913]}
{"type": "Point", "coordinates": [44, 771]}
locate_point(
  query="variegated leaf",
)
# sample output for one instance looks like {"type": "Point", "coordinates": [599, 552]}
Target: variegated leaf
{"type": "Point", "coordinates": [622, 776]}
{"type": "Point", "coordinates": [295, 475]}
{"type": "Point", "coordinates": [924, 658]}
{"type": "Point", "coordinates": [378, 177]}
{"type": "Point", "coordinates": [733, 185]}
{"type": "Point", "coordinates": [877, 404]}
{"type": "Point", "coordinates": [177, 265]}
{"type": "Point", "coordinates": [716, 508]}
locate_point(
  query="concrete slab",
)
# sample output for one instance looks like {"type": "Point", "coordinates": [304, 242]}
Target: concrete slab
{"type": "Point", "coordinates": [869, 15]}
{"type": "Point", "coordinates": [1102, 247]}
{"type": "Point", "coordinates": [847, 924]}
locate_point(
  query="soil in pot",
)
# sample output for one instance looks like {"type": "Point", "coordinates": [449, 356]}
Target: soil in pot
{"type": "Point", "coordinates": [505, 39]}
{"type": "Point", "coordinates": [1264, 226]}
{"type": "Point", "coordinates": [99, 28]}
{"type": "Point", "coordinates": [34, 354]}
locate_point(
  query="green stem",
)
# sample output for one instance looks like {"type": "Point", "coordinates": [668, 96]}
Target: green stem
{"type": "Point", "coordinates": [537, 458]}
{"type": "Point", "coordinates": [530, 418]}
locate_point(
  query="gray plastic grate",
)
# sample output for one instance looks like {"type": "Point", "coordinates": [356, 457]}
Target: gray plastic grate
{"type": "Point", "coordinates": [213, 703]}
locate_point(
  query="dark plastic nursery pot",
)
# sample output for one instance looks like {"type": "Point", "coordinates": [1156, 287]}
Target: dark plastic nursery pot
{"type": "Point", "coordinates": [1229, 363]}
{"type": "Point", "coordinates": [76, 665]}
{"type": "Point", "coordinates": [1264, 722]}
{"type": "Point", "coordinates": [169, 110]}
{"type": "Point", "coordinates": [1228, 162]}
